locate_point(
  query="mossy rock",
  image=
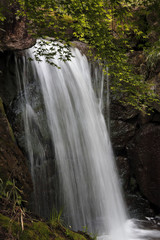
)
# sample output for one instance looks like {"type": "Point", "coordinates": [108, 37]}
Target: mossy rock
{"type": "Point", "coordinates": [37, 230]}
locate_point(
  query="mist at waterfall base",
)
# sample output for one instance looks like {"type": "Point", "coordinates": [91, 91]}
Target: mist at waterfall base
{"type": "Point", "coordinates": [71, 159]}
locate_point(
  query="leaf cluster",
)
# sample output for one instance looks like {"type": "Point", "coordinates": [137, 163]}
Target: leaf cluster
{"type": "Point", "coordinates": [11, 192]}
{"type": "Point", "coordinates": [106, 26]}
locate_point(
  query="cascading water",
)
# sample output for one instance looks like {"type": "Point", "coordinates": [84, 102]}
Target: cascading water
{"type": "Point", "coordinates": [73, 128]}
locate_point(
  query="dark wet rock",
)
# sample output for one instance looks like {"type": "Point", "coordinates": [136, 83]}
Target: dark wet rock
{"type": "Point", "coordinates": [12, 161]}
{"type": "Point", "coordinates": [144, 155]}
{"type": "Point", "coordinates": [138, 206]}
{"type": "Point", "coordinates": [122, 112]}
{"type": "Point", "coordinates": [17, 112]}
{"type": "Point", "coordinates": [121, 133]}
{"type": "Point", "coordinates": [124, 171]}
{"type": "Point", "coordinates": [8, 85]}
{"type": "Point", "coordinates": [25, 117]}
{"type": "Point", "coordinates": [156, 117]}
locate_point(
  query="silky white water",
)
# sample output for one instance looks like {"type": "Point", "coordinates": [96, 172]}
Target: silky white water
{"type": "Point", "coordinates": [88, 186]}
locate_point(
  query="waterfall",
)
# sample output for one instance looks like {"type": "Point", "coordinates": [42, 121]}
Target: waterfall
{"type": "Point", "coordinates": [71, 158]}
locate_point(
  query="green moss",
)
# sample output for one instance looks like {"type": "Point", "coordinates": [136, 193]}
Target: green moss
{"type": "Point", "coordinates": [38, 230]}
{"type": "Point", "coordinates": [74, 235]}
{"type": "Point", "coordinates": [29, 234]}
{"type": "Point", "coordinates": [8, 225]}
{"type": "Point", "coordinates": [4, 221]}
{"type": "Point", "coordinates": [42, 229]}
{"type": "Point", "coordinates": [15, 228]}
{"type": "Point", "coordinates": [34, 231]}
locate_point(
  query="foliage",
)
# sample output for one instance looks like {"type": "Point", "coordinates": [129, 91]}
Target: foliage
{"type": "Point", "coordinates": [49, 49]}
{"type": "Point", "coordinates": [56, 217]}
{"type": "Point", "coordinates": [152, 46]}
{"type": "Point", "coordinates": [12, 195]}
{"type": "Point", "coordinates": [153, 55]}
{"type": "Point", "coordinates": [21, 225]}
{"type": "Point", "coordinates": [11, 192]}
{"type": "Point", "coordinates": [36, 230]}
{"type": "Point", "coordinates": [106, 26]}
{"type": "Point", "coordinates": [93, 235]}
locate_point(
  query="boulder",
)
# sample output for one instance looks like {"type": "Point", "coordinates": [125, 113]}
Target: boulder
{"type": "Point", "coordinates": [144, 157]}
{"type": "Point", "coordinates": [121, 133]}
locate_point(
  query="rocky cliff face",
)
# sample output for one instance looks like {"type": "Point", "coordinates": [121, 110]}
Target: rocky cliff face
{"type": "Point", "coordinates": [135, 138]}
{"type": "Point", "coordinates": [12, 161]}
{"type": "Point", "coordinates": [144, 154]}
{"type": "Point", "coordinates": [13, 164]}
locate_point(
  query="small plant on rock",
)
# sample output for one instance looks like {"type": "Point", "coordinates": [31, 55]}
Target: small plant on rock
{"type": "Point", "coordinates": [11, 195]}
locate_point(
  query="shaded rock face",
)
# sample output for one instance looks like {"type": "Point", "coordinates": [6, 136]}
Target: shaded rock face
{"type": "Point", "coordinates": [121, 133]}
{"type": "Point", "coordinates": [124, 171]}
{"type": "Point", "coordinates": [30, 125]}
{"type": "Point", "coordinates": [13, 164]}
{"type": "Point", "coordinates": [8, 85]}
{"type": "Point", "coordinates": [144, 156]}
{"type": "Point", "coordinates": [17, 166]}
{"type": "Point", "coordinates": [12, 161]}
{"type": "Point", "coordinates": [135, 137]}
{"type": "Point", "coordinates": [123, 125]}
